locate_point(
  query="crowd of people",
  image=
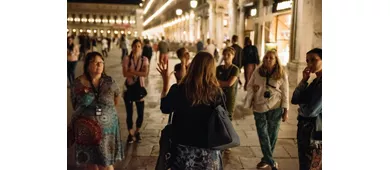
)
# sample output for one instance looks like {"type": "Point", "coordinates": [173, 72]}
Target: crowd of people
{"type": "Point", "coordinates": [201, 85]}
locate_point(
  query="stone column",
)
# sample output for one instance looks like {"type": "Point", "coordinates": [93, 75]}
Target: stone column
{"type": "Point", "coordinates": [233, 18]}
{"type": "Point", "coordinates": [211, 12]}
{"type": "Point", "coordinates": [241, 24]}
{"type": "Point", "coordinates": [139, 21]}
{"type": "Point", "coordinates": [192, 26]}
{"type": "Point", "coordinates": [306, 34]}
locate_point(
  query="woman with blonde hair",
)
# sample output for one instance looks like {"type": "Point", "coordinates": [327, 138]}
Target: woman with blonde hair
{"type": "Point", "coordinates": [268, 96]}
{"type": "Point", "coordinates": [192, 101]}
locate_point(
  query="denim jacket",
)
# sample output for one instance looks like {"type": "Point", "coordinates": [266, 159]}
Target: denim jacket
{"type": "Point", "coordinates": [309, 98]}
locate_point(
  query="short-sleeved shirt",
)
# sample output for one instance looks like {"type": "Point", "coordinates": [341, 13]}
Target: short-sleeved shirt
{"type": "Point", "coordinates": [163, 47]}
{"type": "Point", "coordinates": [225, 75]}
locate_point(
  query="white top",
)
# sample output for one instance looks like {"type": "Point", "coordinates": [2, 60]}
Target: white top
{"type": "Point", "coordinates": [210, 48]}
{"type": "Point", "coordinates": [279, 95]}
{"type": "Point", "coordinates": [105, 43]}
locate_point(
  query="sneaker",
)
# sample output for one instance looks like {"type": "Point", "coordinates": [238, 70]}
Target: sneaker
{"type": "Point", "coordinates": [130, 139]}
{"type": "Point", "coordinates": [138, 137]}
{"type": "Point", "coordinates": [262, 165]}
{"type": "Point", "coordinates": [276, 166]}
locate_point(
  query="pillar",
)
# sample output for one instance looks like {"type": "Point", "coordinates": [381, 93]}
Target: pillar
{"type": "Point", "coordinates": [306, 34]}
{"type": "Point", "coordinates": [241, 24]}
{"type": "Point", "coordinates": [233, 18]}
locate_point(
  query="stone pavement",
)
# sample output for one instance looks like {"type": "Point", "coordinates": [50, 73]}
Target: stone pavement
{"type": "Point", "coordinates": [143, 156]}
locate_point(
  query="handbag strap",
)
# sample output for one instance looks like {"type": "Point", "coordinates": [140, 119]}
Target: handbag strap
{"type": "Point", "coordinates": [223, 99]}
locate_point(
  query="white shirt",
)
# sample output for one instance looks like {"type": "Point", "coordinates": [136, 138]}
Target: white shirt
{"type": "Point", "coordinates": [279, 95]}
{"type": "Point", "coordinates": [210, 48]}
{"type": "Point", "coordinates": [105, 43]}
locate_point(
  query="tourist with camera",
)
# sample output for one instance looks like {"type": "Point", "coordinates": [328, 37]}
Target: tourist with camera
{"type": "Point", "coordinates": [268, 96]}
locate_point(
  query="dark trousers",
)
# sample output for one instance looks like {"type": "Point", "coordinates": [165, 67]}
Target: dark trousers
{"type": "Point", "coordinates": [124, 52]}
{"type": "Point", "coordinates": [140, 113]}
{"type": "Point", "coordinates": [104, 51]}
{"type": "Point", "coordinates": [71, 71]}
{"type": "Point", "coordinates": [304, 136]}
{"type": "Point", "coordinates": [267, 125]}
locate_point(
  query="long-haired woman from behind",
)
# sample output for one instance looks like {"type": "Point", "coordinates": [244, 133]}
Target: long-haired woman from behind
{"type": "Point", "coordinates": [192, 102]}
{"type": "Point", "coordinates": [135, 68]}
{"type": "Point", "coordinates": [94, 123]}
{"type": "Point", "coordinates": [268, 94]}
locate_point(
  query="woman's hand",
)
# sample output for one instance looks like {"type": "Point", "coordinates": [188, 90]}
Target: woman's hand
{"type": "Point", "coordinates": [306, 74]}
{"type": "Point", "coordinates": [285, 115]}
{"type": "Point", "coordinates": [163, 68]}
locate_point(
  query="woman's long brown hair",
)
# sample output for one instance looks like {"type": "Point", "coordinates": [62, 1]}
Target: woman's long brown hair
{"type": "Point", "coordinates": [201, 84]}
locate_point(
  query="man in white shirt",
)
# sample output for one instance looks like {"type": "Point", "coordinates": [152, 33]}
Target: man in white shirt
{"type": "Point", "coordinates": [210, 47]}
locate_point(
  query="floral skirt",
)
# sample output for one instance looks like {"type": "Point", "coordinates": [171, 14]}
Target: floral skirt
{"type": "Point", "coordinates": [193, 158]}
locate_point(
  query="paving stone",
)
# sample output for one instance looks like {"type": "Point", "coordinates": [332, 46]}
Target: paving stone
{"type": "Point", "coordinates": [142, 150]}
{"type": "Point", "coordinates": [249, 162]}
{"type": "Point", "coordinates": [252, 141]}
{"type": "Point", "coordinates": [155, 126]}
{"type": "Point", "coordinates": [231, 162]}
{"type": "Point", "coordinates": [288, 164]}
{"type": "Point", "coordinates": [257, 151]}
{"type": "Point", "coordinates": [242, 151]}
{"type": "Point", "coordinates": [251, 133]}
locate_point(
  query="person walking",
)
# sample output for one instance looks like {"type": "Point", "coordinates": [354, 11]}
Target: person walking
{"type": "Point", "coordinates": [123, 45]}
{"type": "Point", "coordinates": [250, 59]}
{"type": "Point", "coordinates": [210, 47]}
{"type": "Point", "coordinates": [192, 101]}
{"type": "Point", "coordinates": [181, 68]}
{"type": "Point", "coordinates": [163, 48]}
{"type": "Point", "coordinates": [94, 123]}
{"type": "Point", "coordinates": [309, 99]}
{"type": "Point", "coordinates": [199, 46]}
{"type": "Point", "coordinates": [105, 47]}
{"type": "Point", "coordinates": [135, 68]}
{"type": "Point", "coordinates": [147, 50]}
{"type": "Point", "coordinates": [237, 60]}
{"type": "Point", "coordinates": [268, 96]}
{"type": "Point", "coordinates": [72, 58]}
{"type": "Point", "coordinates": [227, 75]}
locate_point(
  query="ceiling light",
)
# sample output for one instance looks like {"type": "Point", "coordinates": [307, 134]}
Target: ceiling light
{"type": "Point", "coordinates": [161, 9]}
{"type": "Point", "coordinates": [193, 3]}
{"type": "Point", "coordinates": [148, 6]}
{"type": "Point", "coordinates": [179, 12]}
{"type": "Point", "coordinates": [253, 12]}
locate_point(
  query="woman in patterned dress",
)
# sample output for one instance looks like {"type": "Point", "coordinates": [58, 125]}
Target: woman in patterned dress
{"type": "Point", "coordinates": [95, 122]}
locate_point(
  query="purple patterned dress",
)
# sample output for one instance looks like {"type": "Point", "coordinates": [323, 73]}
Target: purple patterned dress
{"type": "Point", "coordinates": [97, 138]}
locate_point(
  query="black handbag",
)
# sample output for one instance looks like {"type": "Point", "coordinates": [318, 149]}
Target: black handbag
{"type": "Point", "coordinates": [166, 154]}
{"type": "Point", "coordinates": [221, 131]}
{"type": "Point", "coordinates": [135, 92]}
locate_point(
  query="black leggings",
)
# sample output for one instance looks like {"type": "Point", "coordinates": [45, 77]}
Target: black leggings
{"type": "Point", "coordinates": [140, 113]}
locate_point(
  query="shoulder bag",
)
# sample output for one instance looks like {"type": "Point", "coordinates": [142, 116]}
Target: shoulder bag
{"type": "Point", "coordinates": [221, 133]}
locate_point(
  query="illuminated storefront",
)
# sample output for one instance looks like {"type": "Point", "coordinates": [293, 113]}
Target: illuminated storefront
{"type": "Point", "coordinates": [277, 31]}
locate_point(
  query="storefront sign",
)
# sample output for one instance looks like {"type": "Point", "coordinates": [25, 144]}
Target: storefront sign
{"type": "Point", "coordinates": [282, 5]}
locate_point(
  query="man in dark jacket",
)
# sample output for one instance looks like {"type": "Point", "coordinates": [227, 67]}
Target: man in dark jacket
{"type": "Point", "coordinates": [237, 60]}
{"type": "Point", "coordinates": [147, 51]}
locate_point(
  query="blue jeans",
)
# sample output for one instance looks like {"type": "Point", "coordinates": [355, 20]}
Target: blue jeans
{"type": "Point", "coordinates": [267, 125]}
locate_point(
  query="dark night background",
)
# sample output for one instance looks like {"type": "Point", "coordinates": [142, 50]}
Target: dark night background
{"type": "Point", "coordinates": [108, 1]}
